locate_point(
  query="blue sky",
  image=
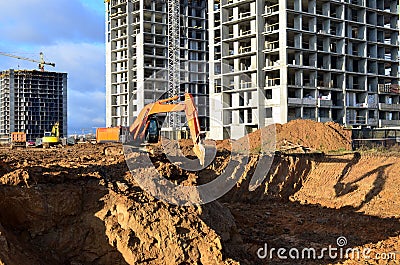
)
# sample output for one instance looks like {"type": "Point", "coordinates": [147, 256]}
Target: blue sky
{"type": "Point", "coordinates": [70, 33]}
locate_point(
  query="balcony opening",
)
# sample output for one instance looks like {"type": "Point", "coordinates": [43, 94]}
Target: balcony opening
{"type": "Point", "coordinates": [272, 78]}
{"type": "Point", "coordinates": [309, 113]}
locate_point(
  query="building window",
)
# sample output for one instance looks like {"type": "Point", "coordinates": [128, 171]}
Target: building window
{"type": "Point", "coordinates": [241, 116]}
{"type": "Point", "coordinates": [268, 112]}
{"type": "Point", "coordinates": [249, 116]}
{"type": "Point", "coordinates": [268, 94]}
{"type": "Point", "coordinates": [241, 99]}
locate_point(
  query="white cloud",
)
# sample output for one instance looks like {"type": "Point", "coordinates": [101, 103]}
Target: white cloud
{"type": "Point", "coordinates": [86, 109]}
{"type": "Point", "coordinates": [84, 63]}
{"type": "Point", "coordinates": [99, 120]}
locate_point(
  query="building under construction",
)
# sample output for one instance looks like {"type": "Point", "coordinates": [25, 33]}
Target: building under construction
{"type": "Point", "coordinates": [150, 54]}
{"type": "Point", "coordinates": [278, 60]}
{"type": "Point", "coordinates": [271, 61]}
{"type": "Point", "coordinates": [32, 101]}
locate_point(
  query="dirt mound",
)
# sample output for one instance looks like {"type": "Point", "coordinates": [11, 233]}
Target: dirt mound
{"type": "Point", "coordinates": [294, 136]}
{"type": "Point", "coordinates": [301, 133]}
{"type": "Point", "coordinates": [316, 135]}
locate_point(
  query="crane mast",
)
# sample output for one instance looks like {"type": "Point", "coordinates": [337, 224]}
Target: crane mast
{"type": "Point", "coordinates": [173, 54]}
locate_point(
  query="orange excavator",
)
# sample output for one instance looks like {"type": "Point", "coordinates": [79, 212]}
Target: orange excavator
{"type": "Point", "coordinates": [146, 124]}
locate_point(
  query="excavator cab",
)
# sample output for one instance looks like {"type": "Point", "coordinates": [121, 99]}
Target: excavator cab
{"type": "Point", "coordinates": [153, 131]}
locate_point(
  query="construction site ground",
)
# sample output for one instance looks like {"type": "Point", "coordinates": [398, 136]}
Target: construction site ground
{"type": "Point", "coordinates": [81, 205]}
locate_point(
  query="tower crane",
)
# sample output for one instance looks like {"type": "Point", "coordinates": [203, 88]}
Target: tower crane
{"type": "Point", "coordinates": [174, 38]}
{"type": "Point", "coordinates": [41, 61]}
{"type": "Point", "coordinates": [173, 70]}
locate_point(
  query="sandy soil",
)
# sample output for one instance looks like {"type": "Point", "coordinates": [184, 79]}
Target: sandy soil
{"type": "Point", "coordinates": [81, 205]}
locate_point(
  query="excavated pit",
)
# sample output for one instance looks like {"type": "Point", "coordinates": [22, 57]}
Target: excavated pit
{"type": "Point", "coordinates": [81, 205]}
{"type": "Point", "coordinates": [56, 224]}
{"type": "Point", "coordinates": [81, 209]}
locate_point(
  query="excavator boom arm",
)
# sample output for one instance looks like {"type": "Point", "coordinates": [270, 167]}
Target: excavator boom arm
{"type": "Point", "coordinates": [138, 128]}
{"type": "Point", "coordinates": [55, 130]}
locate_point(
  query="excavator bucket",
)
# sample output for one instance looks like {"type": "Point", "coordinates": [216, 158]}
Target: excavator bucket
{"type": "Point", "coordinates": [200, 152]}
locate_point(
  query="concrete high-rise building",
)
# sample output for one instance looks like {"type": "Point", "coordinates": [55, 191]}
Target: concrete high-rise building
{"type": "Point", "coordinates": [137, 56]}
{"type": "Point", "coordinates": [32, 101]}
{"type": "Point", "coordinates": [279, 60]}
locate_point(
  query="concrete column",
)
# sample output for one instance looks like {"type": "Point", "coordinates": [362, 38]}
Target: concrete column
{"type": "Point", "coordinates": [12, 102]}
{"type": "Point", "coordinates": [65, 96]}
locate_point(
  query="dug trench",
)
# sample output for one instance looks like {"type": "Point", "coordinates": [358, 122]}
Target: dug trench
{"type": "Point", "coordinates": [79, 205]}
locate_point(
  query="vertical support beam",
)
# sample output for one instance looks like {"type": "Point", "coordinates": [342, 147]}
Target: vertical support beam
{"type": "Point", "coordinates": [283, 116]}
{"type": "Point", "coordinates": [64, 107]}
{"type": "Point", "coordinates": [12, 102]}
{"type": "Point", "coordinates": [260, 23]}
{"type": "Point", "coordinates": [173, 54]}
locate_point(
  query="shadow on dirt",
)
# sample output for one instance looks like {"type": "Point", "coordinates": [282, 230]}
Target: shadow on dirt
{"type": "Point", "coordinates": [292, 225]}
{"type": "Point", "coordinates": [267, 216]}
{"type": "Point", "coordinates": [54, 221]}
